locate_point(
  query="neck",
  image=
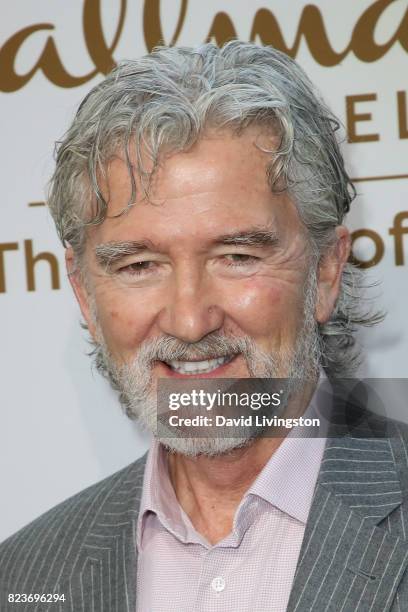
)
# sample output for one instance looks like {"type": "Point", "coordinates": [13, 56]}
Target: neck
{"type": "Point", "coordinates": [209, 489]}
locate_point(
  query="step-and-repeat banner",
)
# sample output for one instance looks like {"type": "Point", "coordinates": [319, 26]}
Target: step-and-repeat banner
{"type": "Point", "coordinates": [61, 426]}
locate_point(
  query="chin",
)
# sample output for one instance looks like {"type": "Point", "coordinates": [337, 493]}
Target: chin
{"type": "Point", "coordinates": [208, 447]}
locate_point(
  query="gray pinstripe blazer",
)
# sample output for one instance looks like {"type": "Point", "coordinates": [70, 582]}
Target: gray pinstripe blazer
{"type": "Point", "coordinates": [354, 554]}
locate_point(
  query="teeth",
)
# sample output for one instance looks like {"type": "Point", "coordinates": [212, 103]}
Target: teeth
{"type": "Point", "coordinates": [198, 367]}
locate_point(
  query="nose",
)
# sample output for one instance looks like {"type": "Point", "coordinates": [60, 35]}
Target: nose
{"type": "Point", "coordinates": [192, 310]}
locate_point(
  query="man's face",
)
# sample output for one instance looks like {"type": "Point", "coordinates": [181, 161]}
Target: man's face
{"type": "Point", "coordinates": [211, 253]}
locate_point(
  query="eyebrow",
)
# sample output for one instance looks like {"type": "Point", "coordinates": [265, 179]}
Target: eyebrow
{"type": "Point", "coordinates": [253, 237]}
{"type": "Point", "coordinates": [109, 253]}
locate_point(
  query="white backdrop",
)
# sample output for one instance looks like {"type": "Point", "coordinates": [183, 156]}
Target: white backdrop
{"type": "Point", "coordinates": [61, 426]}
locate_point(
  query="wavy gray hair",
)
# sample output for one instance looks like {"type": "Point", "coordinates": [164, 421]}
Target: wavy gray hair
{"type": "Point", "coordinates": [165, 101]}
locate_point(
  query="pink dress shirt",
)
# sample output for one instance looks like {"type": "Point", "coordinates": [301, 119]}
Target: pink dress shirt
{"type": "Point", "coordinates": [250, 569]}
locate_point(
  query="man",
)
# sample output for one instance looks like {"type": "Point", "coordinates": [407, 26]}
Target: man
{"type": "Point", "coordinates": [200, 194]}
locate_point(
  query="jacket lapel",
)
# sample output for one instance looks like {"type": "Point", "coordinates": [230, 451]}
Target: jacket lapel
{"type": "Point", "coordinates": [103, 573]}
{"type": "Point", "coordinates": [347, 561]}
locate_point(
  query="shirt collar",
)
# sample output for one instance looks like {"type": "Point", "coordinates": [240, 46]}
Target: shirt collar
{"type": "Point", "coordinates": [287, 481]}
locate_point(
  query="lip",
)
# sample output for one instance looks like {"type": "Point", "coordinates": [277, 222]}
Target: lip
{"type": "Point", "coordinates": [219, 372]}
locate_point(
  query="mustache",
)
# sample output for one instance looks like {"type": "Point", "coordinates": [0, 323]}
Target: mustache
{"type": "Point", "coordinates": [167, 348]}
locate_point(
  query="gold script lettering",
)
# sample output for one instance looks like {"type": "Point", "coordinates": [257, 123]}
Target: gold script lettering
{"type": "Point", "coordinates": [153, 32]}
{"type": "Point", "coordinates": [312, 28]}
{"type": "Point", "coordinates": [362, 42]}
{"type": "Point", "coordinates": [100, 52]}
{"type": "Point", "coordinates": [222, 29]}
{"type": "Point", "coordinates": [49, 61]}
{"type": "Point", "coordinates": [265, 27]}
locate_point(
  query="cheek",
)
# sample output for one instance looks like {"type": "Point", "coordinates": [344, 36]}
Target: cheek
{"type": "Point", "coordinates": [255, 295]}
{"type": "Point", "coordinates": [124, 325]}
{"type": "Point", "coordinates": [260, 307]}
{"type": "Point", "coordinates": [257, 301]}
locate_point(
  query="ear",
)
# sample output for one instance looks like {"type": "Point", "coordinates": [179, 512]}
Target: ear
{"type": "Point", "coordinates": [80, 291]}
{"type": "Point", "coordinates": [329, 274]}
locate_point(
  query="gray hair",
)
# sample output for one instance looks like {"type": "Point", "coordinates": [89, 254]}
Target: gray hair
{"type": "Point", "coordinates": [165, 101]}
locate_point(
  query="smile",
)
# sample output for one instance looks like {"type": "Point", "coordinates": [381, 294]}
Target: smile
{"type": "Point", "coordinates": [198, 367]}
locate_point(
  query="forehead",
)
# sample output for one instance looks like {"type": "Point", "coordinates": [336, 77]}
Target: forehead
{"type": "Point", "coordinates": [219, 184]}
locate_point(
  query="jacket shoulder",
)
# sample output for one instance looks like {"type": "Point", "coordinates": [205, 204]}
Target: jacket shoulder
{"type": "Point", "coordinates": [37, 557]}
{"type": "Point", "coordinates": [399, 444]}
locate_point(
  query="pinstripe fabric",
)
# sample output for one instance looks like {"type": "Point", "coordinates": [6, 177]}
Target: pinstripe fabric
{"type": "Point", "coordinates": [354, 554]}
{"type": "Point", "coordinates": [84, 548]}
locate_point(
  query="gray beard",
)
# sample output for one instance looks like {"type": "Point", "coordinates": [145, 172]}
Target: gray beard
{"type": "Point", "coordinates": [138, 393]}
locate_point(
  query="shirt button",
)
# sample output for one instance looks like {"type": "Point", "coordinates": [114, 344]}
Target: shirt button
{"type": "Point", "coordinates": [218, 584]}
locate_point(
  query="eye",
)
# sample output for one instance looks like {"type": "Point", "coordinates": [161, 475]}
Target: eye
{"type": "Point", "coordinates": [240, 259]}
{"type": "Point", "coordinates": [138, 268]}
